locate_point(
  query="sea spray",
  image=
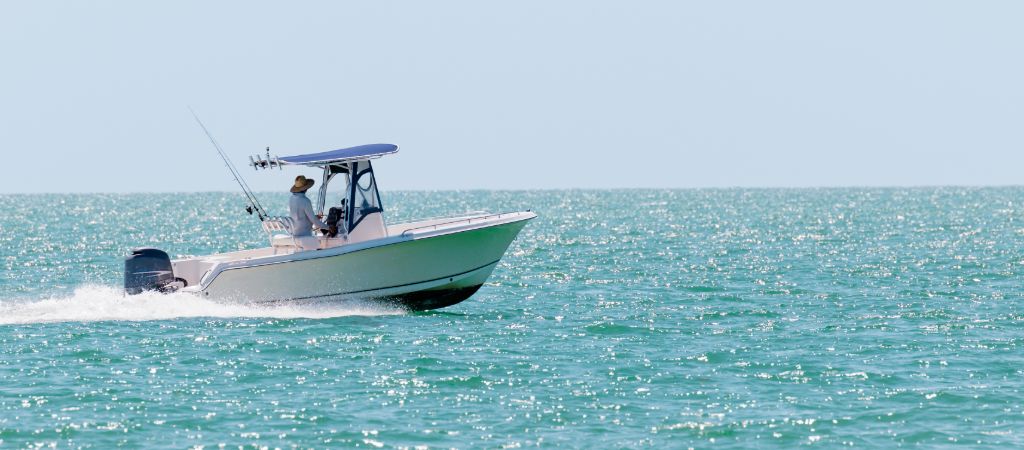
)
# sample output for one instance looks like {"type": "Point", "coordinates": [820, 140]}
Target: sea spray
{"type": "Point", "coordinates": [100, 303]}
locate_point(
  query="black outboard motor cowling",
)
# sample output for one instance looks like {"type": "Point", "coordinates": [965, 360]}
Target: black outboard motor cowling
{"type": "Point", "coordinates": [148, 269]}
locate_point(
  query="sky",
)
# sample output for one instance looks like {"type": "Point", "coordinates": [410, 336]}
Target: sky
{"type": "Point", "coordinates": [94, 96]}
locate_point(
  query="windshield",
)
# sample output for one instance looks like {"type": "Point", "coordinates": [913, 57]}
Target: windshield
{"type": "Point", "coordinates": [348, 194]}
{"type": "Point", "coordinates": [364, 198]}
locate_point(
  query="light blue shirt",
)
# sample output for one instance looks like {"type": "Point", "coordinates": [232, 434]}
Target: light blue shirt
{"type": "Point", "coordinates": [303, 217]}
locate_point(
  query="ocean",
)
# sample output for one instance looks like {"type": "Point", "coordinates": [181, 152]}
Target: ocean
{"type": "Point", "coordinates": [719, 318]}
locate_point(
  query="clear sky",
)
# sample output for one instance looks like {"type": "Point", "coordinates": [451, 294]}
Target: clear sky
{"type": "Point", "coordinates": [520, 95]}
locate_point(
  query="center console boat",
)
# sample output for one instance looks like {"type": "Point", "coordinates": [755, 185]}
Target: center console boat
{"type": "Point", "coordinates": [419, 265]}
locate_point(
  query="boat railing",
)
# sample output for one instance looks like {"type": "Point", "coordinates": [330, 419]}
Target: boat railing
{"type": "Point", "coordinates": [467, 220]}
{"type": "Point", "coordinates": [277, 223]}
{"type": "Point", "coordinates": [446, 216]}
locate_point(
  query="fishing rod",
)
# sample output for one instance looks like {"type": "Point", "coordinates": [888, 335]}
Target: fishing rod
{"type": "Point", "coordinates": [254, 203]}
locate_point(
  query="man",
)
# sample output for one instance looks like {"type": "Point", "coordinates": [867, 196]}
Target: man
{"type": "Point", "coordinates": [301, 209]}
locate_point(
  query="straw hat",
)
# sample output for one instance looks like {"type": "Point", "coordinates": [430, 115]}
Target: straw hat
{"type": "Point", "coordinates": [302, 184]}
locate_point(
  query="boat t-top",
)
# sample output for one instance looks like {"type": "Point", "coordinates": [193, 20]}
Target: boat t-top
{"type": "Point", "coordinates": [419, 265]}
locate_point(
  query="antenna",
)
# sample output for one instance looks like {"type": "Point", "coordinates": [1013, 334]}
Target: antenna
{"type": "Point", "coordinates": [254, 203]}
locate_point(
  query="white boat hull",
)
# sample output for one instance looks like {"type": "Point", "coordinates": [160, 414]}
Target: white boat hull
{"type": "Point", "coordinates": [419, 271]}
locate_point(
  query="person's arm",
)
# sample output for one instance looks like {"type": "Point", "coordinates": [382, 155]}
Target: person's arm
{"type": "Point", "coordinates": [313, 219]}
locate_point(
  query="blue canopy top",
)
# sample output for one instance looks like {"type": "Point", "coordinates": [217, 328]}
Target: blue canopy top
{"type": "Point", "coordinates": [356, 153]}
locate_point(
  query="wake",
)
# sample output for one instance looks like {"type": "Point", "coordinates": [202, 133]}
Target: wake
{"type": "Point", "coordinates": [93, 303]}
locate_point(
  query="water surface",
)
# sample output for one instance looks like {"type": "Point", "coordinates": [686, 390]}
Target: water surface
{"type": "Point", "coordinates": [871, 318]}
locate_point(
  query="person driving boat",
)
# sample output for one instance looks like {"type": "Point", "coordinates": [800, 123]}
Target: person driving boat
{"type": "Point", "coordinates": [300, 208]}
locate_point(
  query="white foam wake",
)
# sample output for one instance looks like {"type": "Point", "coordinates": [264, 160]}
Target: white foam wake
{"type": "Point", "coordinates": [99, 303]}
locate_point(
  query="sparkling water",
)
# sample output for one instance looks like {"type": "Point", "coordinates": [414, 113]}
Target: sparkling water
{"type": "Point", "coordinates": [872, 318]}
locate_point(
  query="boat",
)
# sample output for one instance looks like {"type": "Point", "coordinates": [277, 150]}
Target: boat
{"type": "Point", "coordinates": [418, 265]}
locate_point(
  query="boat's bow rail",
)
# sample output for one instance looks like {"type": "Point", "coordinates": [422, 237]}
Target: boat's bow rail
{"type": "Point", "coordinates": [468, 221]}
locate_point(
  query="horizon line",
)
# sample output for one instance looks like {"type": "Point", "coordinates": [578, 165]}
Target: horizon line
{"type": "Point", "coordinates": [689, 188]}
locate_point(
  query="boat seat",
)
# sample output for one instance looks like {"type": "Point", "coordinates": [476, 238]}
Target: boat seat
{"type": "Point", "coordinates": [290, 244]}
{"type": "Point", "coordinates": [280, 241]}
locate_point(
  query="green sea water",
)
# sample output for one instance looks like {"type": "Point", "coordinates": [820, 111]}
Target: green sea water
{"type": "Point", "coordinates": [865, 318]}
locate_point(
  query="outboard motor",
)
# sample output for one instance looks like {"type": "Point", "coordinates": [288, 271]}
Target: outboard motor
{"type": "Point", "coordinates": [149, 269]}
